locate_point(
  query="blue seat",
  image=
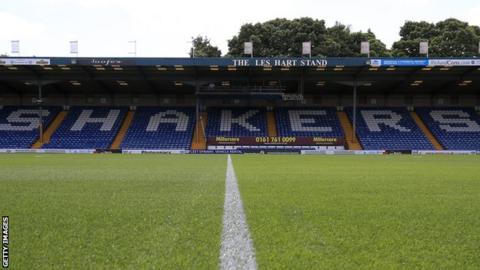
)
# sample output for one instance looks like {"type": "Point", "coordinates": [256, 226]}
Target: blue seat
{"type": "Point", "coordinates": [80, 130]}
{"type": "Point", "coordinates": [388, 129]}
{"type": "Point", "coordinates": [19, 125]}
{"type": "Point", "coordinates": [160, 128]}
{"type": "Point", "coordinates": [454, 128]}
{"type": "Point", "coordinates": [236, 122]}
{"type": "Point", "coordinates": [308, 122]}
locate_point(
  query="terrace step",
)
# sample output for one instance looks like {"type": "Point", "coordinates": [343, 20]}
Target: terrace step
{"type": "Point", "coordinates": [352, 142]}
{"type": "Point", "coordinates": [271, 124]}
{"type": "Point", "coordinates": [426, 131]}
{"type": "Point", "coordinates": [47, 135]}
{"type": "Point", "coordinates": [199, 142]}
{"type": "Point", "coordinates": [123, 130]}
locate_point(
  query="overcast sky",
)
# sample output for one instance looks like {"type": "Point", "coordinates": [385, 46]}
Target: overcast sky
{"type": "Point", "coordinates": [165, 28]}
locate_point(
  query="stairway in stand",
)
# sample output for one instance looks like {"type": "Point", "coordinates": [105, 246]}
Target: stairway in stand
{"type": "Point", "coordinates": [123, 130]}
{"type": "Point", "coordinates": [426, 131]}
{"type": "Point", "coordinates": [50, 130]}
{"type": "Point", "coordinates": [199, 142]}
{"type": "Point", "coordinates": [271, 124]}
{"type": "Point", "coordinates": [352, 142]}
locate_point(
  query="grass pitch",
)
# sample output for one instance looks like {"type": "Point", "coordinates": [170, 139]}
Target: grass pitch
{"type": "Point", "coordinates": [304, 212]}
{"type": "Point", "coordinates": [362, 212]}
{"type": "Point", "coordinates": [113, 211]}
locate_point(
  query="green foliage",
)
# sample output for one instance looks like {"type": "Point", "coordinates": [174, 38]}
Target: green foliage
{"type": "Point", "coordinates": [448, 38]}
{"type": "Point", "coordinates": [283, 37]}
{"type": "Point", "coordinates": [203, 48]}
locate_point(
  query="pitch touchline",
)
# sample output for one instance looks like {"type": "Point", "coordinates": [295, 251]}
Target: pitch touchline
{"type": "Point", "coordinates": [237, 250]}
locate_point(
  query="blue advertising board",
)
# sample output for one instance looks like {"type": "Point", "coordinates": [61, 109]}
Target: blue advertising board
{"type": "Point", "coordinates": [398, 62]}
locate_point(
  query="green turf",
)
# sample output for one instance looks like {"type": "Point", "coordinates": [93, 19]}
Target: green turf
{"type": "Point", "coordinates": [362, 212]}
{"type": "Point", "coordinates": [305, 212]}
{"type": "Point", "coordinates": [113, 211]}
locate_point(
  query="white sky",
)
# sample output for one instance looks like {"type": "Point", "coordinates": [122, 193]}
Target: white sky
{"type": "Point", "coordinates": [165, 28]}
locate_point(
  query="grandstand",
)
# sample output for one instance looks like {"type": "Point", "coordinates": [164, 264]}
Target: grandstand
{"type": "Point", "coordinates": [182, 104]}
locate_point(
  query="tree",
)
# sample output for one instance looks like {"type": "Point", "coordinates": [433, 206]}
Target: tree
{"type": "Point", "coordinates": [448, 38]}
{"type": "Point", "coordinates": [377, 47]}
{"type": "Point", "coordinates": [282, 37]}
{"type": "Point", "coordinates": [342, 42]}
{"type": "Point", "coordinates": [203, 48]}
{"type": "Point", "coordinates": [279, 37]}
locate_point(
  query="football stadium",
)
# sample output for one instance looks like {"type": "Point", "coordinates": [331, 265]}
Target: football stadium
{"type": "Point", "coordinates": [339, 202]}
{"type": "Point", "coordinates": [240, 162]}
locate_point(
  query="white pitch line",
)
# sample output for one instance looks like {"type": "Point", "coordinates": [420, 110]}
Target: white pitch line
{"type": "Point", "coordinates": [237, 250]}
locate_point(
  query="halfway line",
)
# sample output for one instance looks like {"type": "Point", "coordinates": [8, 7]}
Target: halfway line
{"type": "Point", "coordinates": [237, 250]}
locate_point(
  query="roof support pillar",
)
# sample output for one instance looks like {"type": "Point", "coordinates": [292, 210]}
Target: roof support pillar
{"type": "Point", "coordinates": [39, 101]}
{"type": "Point", "coordinates": [197, 109]}
{"type": "Point", "coordinates": [301, 86]}
{"type": "Point", "coordinates": [354, 120]}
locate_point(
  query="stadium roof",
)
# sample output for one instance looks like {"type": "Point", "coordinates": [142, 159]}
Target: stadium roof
{"type": "Point", "coordinates": [184, 75]}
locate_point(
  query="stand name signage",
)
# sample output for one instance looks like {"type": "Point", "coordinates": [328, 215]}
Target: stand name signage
{"type": "Point", "coordinates": [288, 62]}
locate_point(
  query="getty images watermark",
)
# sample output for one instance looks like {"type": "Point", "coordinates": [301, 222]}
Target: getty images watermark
{"type": "Point", "coordinates": [5, 242]}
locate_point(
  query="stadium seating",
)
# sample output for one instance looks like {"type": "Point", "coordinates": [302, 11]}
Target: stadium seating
{"type": "Point", "coordinates": [388, 129]}
{"type": "Point", "coordinates": [160, 128]}
{"type": "Point", "coordinates": [169, 128]}
{"type": "Point", "coordinates": [308, 122]}
{"type": "Point", "coordinates": [88, 128]}
{"type": "Point", "coordinates": [454, 128]}
{"type": "Point", "coordinates": [236, 122]}
{"type": "Point", "coordinates": [19, 125]}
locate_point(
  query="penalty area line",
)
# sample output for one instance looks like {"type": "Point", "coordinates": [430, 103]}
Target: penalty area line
{"type": "Point", "coordinates": [237, 250]}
